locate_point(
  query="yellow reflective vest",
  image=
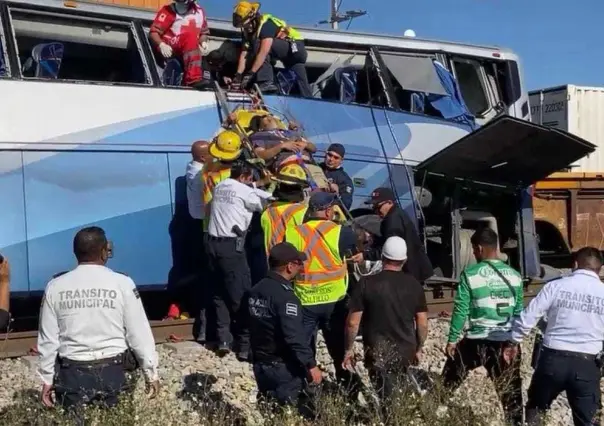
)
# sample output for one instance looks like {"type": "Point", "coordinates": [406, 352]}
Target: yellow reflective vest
{"type": "Point", "coordinates": [277, 218]}
{"type": "Point", "coordinates": [285, 32]}
{"type": "Point", "coordinates": [210, 178]}
{"type": "Point", "coordinates": [324, 278]}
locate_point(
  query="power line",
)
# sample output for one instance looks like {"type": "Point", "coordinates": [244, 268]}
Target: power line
{"type": "Point", "coordinates": [335, 17]}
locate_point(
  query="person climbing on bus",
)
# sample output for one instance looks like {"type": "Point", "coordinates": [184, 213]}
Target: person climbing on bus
{"type": "Point", "coordinates": [266, 39]}
{"type": "Point", "coordinates": [288, 209]}
{"type": "Point", "coordinates": [181, 30]}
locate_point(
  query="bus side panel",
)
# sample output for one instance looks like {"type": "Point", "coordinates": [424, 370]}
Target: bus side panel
{"type": "Point", "coordinates": [127, 194]}
{"type": "Point", "coordinates": [13, 235]}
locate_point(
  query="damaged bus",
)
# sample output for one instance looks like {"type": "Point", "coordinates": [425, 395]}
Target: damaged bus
{"type": "Point", "coordinates": [94, 131]}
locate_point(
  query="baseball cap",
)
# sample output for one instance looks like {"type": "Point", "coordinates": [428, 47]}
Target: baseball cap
{"type": "Point", "coordinates": [321, 200]}
{"type": "Point", "coordinates": [379, 195]}
{"type": "Point", "coordinates": [338, 148]}
{"type": "Point", "coordinates": [395, 248]}
{"type": "Point", "coordinates": [283, 253]}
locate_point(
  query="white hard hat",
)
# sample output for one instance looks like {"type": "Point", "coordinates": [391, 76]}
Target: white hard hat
{"type": "Point", "coordinates": [395, 248]}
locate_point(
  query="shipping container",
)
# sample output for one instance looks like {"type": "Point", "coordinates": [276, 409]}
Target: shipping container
{"type": "Point", "coordinates": [577, 110]}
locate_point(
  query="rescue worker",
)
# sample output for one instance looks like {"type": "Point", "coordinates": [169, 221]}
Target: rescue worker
{"type": "Point", "coordinates": [392, 304]}
{"type": "Point", "coordinates": [233, 204]}
{"type": "Point", "coordinates": [90, 317]}
{"type": "Point", "coordinates": [489, 295]}
{"type": "Point", "coordinates": [266, 39]}
{"type": "Point", "coordinates": [324, 279]}
{"type": "Point", "coordinates": [568, 362]}
{"type": "Point", "coordinates": [282, 356]}
{"type": "Point", "coordinates": [223, 63]}
{"type": "Point", "coordinates": [289, 209]}
{"type": "Point", "coordinates": [339, 181]}
{"type": "Point", "coordinates": [4, 294]}
{"type": "Point", "coordinates": [396, 222]}
{"type": "Point", "coordinates": [181, 29]}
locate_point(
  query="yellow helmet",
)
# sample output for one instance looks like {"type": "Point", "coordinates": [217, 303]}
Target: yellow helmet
{"type": "Point", "coordinates": [244, 11]}
{"type": "Point", "coordinates": [292, 174]}
{"type": "Point", "coordinates": [226, 146]}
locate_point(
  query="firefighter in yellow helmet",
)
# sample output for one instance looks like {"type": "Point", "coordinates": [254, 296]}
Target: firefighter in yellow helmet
{"type": "Point", "coordinates": [266, 39]}
{"type": "Point", "coordinates": [289, 209]}
{"type": "Point", "coordinates": [225, 148]}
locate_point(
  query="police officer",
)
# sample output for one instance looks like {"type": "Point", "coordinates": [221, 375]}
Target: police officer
{"type": "Point", "coordinates": [282, 357]}
{"type": "Point", "coordinates": [574, 307]}
{"type": "Point", "coordinates": [324, 279]}
{"type": "Point", "coordinates": [339, 181]}
{"type": "Point", "coordinates": [289, 208]}
{"type": "Point", "coordinates": [90, 317]}
{"type": "Point", "coordinates": [233, 205]}
{"type": "Point", "coordinates": [265, 40]}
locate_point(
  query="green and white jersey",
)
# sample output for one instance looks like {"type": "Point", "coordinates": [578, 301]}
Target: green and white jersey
{"type": "Point", "coordinates": [486, 301]}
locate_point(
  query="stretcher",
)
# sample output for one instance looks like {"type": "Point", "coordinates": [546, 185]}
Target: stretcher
{"type": "Point", "coordinates": [250, 104]}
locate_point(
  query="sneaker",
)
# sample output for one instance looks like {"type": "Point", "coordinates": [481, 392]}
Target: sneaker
{"type": "Point", "coordinates": [223, 349]}
{"type": "Point", "coordinates": [173, 312]}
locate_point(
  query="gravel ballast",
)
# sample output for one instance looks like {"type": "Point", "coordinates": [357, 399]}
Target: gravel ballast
{"type": "Point", "coordinates": [204, 375]}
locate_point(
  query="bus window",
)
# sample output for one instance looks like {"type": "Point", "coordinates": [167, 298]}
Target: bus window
{"type": "Point", "coordinates": [469, 77]}
{"type": "Point", "coordinates": [52, 46]}
{"type": "Point", "coordinates": [3, 54]}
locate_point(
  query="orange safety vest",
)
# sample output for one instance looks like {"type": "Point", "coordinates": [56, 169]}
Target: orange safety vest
{"type": "Point", "coordinates": [210, 179]}
{"type": "Point", "coordinates": [325, 275]}
{"type": "Point", "coordinates": [277, 218]}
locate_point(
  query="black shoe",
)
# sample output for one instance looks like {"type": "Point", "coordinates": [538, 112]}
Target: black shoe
{"type": "Point", "coordinates": [201, 338]}
{"type": "Point", "coordinates": [202, 85]}
{"type": "Point", "coordinates": [223, 349]}
{"type": "Point", "coordinates": [243, 356]}
{"type": "Point", "coordinates": [268, 87]}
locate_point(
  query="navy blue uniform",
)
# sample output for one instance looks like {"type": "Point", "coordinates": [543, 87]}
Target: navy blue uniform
{"type": "Point", "coordinates": [280, 352]}
{"type": "Point", "coordinates": [344, 182]}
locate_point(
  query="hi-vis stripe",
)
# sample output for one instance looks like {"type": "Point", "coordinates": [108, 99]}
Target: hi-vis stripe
{"type": "Point", "coordinates": [279, 222]}
{"type": "Point", "coordinates": [316, 250]}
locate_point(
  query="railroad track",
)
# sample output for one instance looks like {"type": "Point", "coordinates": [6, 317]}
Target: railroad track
{"type": "Point", "coordinates": [17, 344]}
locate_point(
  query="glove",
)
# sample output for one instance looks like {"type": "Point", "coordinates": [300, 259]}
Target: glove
{"type": "Point", "coordinates": [165, 50]}
{"type": "Point", "coordinates": [205, 48]}
{"type": "Point", "coordinates": [236, 83]}
{"type": "Point", "coordinates": [246, 80]}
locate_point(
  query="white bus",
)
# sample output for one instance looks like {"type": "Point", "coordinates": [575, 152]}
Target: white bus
{"type": "Point", "coordinates": [102, 136]}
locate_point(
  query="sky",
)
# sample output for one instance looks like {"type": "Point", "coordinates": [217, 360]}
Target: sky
{"type": "Point", "coordinates": [558, 41]}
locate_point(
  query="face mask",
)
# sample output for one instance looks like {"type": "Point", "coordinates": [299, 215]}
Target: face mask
{"type": "Point", "coordinates": [181, 8]}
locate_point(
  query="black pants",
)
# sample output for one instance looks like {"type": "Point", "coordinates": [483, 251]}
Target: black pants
{"type": "Point", "coordinates": [230, 282]}
{"type": "Point", "coordinates": [200, 293]}
{"type": "Point", "coordinates": [278, 382]}
{"type": "Point", "coordinates": [386, 380]}
{"type": "Point", "coordinates": [559, 371]}
{"type": "Point", "coordinates": [295, 61]}
{"type": "Point", "coordinates": [474, 353]}
{"type": "Point", "coordinates": [78, 384]}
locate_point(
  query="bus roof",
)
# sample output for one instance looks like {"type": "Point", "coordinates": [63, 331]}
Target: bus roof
{"type": "Point", "coordinates": [313, 34]}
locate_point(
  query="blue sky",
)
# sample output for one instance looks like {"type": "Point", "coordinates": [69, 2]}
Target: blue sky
{"type": "Point", "coordinates": [559, 41]}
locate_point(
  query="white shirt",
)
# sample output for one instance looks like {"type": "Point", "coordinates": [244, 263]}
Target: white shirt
{"type": "Point", "coordinates": [233, 203]}
{"type": "Point", "coordinates": [93, 313]}
{"type": "Point", "coordinates": [574, 307]}
{"type": "Point", "coordinates": [195, 189]}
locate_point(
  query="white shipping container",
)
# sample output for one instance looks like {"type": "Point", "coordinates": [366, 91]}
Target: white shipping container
{"type": "Point", "coordinates": [577, 110]}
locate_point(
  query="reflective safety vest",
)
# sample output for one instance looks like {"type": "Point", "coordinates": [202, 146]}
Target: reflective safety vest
{"type": "Point", "coordinates": [325, 275]}
{"type": "Point", "coordinates": [211, 178]}
{"type": "Point", "coordinates": [285, 32]}
{"type": "Point", "coordinates": [277, 218]}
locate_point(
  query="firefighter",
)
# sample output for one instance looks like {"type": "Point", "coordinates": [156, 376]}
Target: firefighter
{"type": "Point", "coordinates": [289, 209]}
{"type": "Point", "coordinates": [266, 39]}
{"type": "Point", "coordinates": [181, 30]}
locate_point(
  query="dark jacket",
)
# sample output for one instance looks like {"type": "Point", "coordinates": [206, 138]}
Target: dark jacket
{"type": "Point", "coordinates": [276, 332]}
{"type": "Point", "coordinates": [398, 223]}
{"type": "Point", "coordinates": [344, 182]}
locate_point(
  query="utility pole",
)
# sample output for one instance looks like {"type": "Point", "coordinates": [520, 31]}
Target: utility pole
{"type": "Point", "coordinates": [336, 17]}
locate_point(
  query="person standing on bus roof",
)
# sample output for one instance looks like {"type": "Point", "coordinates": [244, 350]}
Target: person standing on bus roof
{"type": "Point", "coordinates": [264, 40]}
{"type": "Point", "coordinates": [181, 29]}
